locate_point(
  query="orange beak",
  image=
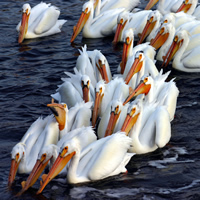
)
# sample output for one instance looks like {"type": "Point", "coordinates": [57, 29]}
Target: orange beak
{"type": "Point", "coordinates": [102, 69]}
{"type": "Point", "coordinates": [13, 171]}
{"type": "Point", "coordinates": [85, 93]}
{"type": "Point", "coordinates": [98, 99]}
{"type": "Point", "coordinates": [118, 33]}
{"type": "Point", "coordinates": [159, 40]}
{"type": "Point", "coordinates": [147, 30]}
{"type": "Point", "coordinates": [126, 49]}
{"type": "Point", "coordinates": [142, 88]}
{"type": "Point", "coordinates": [23, 27]}
{"type": "Point", "coordinates": [151, 4]}
{"type": "Point", "coordinates": [136, 67]}
{"type": "Point", "coordinates": [81, 22]}
{"type": "Point", "coordinates": [112, 122]}
{"type": "Point", "coordinates": [34, 175]}
{"type": "Point", "coordinates": [59, 113]}
{"type": "Point", "coordinates": [171, 52]}
{"type": "Point", "coordinates": [57, 167]}
{"type": "Point", "coordinates": [184, 7]}
{"type": "Point", "coordinates": [129, 122]}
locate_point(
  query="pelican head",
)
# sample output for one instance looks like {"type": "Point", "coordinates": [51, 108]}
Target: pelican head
{"type": "Point", "coordinates": [86, 11]}
{"type": "Point", "coordinates": [67, 151]}
{"type": "Point", "coordinates": [85, 84]}
{"type": "Point", "coordinates": [100, 89]}
{"type": "Point", "coordinates": [175, 46]}
{"type": "Point", "coordinates": [46, 154]}
{"type": "Point", "coordinates": [186, 5]}
{"type": "Point", "coordinates": [136, 66]}
{"type": "Point", "coordinates": [26, 10]}
{"type": "Point", "coordinates": [142, 88]}
{"type": "Point", "coordinates": [168, 18]}
{"type": "Point", "coordinates": [153, 17]}
{"type": "Point", "coordinates": [162, 35]}
{"type": "Point", "coordinates": [116, 107]}
{"type": "Point", "coordinates": [132, 115]}
{"type": "Point", "coordinates": [151, 4]}
{"type": "Point", "coordinates": [101, 62]}
{"type": "Point", "coordinates": [122, 20]}
{"type": "Point", "coordinates": [60, 112]}
{"type": "Point", "coordinates": [17, 155]}
{"type": "Point", "coordinates": [128, 38]}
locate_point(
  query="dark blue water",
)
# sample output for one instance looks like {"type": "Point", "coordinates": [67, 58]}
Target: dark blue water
{"type": "Point", "coordinates": [30, 72]}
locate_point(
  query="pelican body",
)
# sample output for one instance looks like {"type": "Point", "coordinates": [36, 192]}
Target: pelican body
{"type": "Point", "coordinates": [41, 20]}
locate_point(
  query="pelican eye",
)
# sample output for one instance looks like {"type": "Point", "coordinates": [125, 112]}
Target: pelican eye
{"type": "Point", "coordinates": [121, 21]}
{"type": "Point", "coordinates": [162, 30]}
{"type": "Point", "coordinates": [127, 40]}
{"type": "Point", "coordinates": [166, 21]}
{"type": "Point", "coordinates": [100, 90]}
{"type": "Point", "coordinates": [176, 38]}
{"type": "Point", "coordinates": [186, 1]}
{"type": "Point", "coordinates": [145, 80]}
{"type": "Point", "coordinates": [151, 19]}
{"type": "Point", "coordinates": [140, 56]}
{"type": "Point", "coordinates": [65, 105]}
{"type": "Point", "coordinates": [86, 10]}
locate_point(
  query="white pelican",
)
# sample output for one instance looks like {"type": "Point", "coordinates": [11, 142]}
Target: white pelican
{"type": "Point", "coordinates": [163, 39]}
{"type": "Point", "coordinates": [165, 93]}
{"type": "Point", "coordinates": [41, 20]}
{"type": "Point", "coordinates": [188, 6]}
{"type": "Point", "coordinates": [151, 27]}
{"type": "Point", "coordinates": [112, 119]}
{"type": "Point", "coordinates": [177, 19]}
{"type": "Point", "coordinates": [141, 65]}
{"type": "Point", "coordinates": [116, 89]}
{"type": "Point", "coordinates": [185, 52]}
{"type": "Point", "coordinates": [75, 117]}
{"type": "Point", "coordinates": [24, 154]}
{"type": "Point", "coordinates": [165, 6]}
{"type": "Point", "coordinates": [127, 20]}
{"type": "Point", "coordinates": [98, 27]}
{"type": "Point", "coordinates": [94, 64]}
{"type": "Point", "coordinates": [166, 34]}
{"type": "Point", "coordinates": [75, 89]}
{"type": "Point", "coordinates": [102, 6]}
{"type": "Point", "coordinates": [48, 154]}
{"type": "Point", "coordinates": [102, 158]}
{"type": "Point", "coordinates": [152, 128]}
{"type": "Point", "coordinates": [128, 55]}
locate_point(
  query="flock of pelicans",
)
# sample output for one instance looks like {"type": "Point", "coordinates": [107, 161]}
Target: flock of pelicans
{"type": "Point", "coordinates": [77, 141]}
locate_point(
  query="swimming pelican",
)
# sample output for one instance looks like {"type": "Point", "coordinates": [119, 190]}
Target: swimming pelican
{"type": "Point", "coordinates": [188, 6]}
{"type": "Point", "coordinates": [94, 64]}
{"type": "Point", "coordinates": [165, 93]}
{"type": "Point", "coordinates": [128, 55]}
{"type": "Point", "coordinates": [151, 27]}
{"type": "Point", "coordinates": [102, 158]}
{"type": "Point", "coordinates": [112, 4]}
{"type": "Point", "coordinates": [128, 20]}
{"type": "Point", "coordinates": [112, 119]}
{"type": "Point", "coordinates": [116, 89]}
{"type": "Point", "coordinates": [141, 65]}
{"type": "Point", "coordinates": [98, 27]}
{"type": "Point", "coordinates": [77, 84]}
{"type": "Point", "coordinates": [41, 20]}
{"type": "Point", "coordinates": [24, 154]}
{"type": "Point", "coordinates": [49, 153]}
{"type": "Point", "coordinates": [177, 19]}
{"type": "Point", "coordinates": [152, 128]}
{"type": "Point", "coordinates": [165, 6]}
{"type": "Point", "coordinates": [75, 117]}
{"type": "Point", "coordinates": [185, 52]}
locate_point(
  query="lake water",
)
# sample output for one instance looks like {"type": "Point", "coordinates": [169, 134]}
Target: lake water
{"type": "Point", "coordinates": [31, 72]}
